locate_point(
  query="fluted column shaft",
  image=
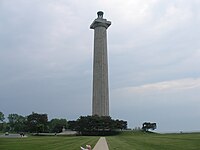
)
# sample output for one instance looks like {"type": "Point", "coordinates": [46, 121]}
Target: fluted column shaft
{"type": "Point", "coordinates": [100, 98]}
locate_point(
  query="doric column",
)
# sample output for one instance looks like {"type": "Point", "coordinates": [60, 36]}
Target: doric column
{"type": "Point", "coordinates": [100, 98]}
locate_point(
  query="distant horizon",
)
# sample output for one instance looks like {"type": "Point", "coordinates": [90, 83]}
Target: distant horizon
{"type": "Point", "coordinates": [157, 130]}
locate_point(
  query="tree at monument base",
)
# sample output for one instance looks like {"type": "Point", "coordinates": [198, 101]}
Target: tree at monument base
{"type": "Point", "coordinates": [97, 125]}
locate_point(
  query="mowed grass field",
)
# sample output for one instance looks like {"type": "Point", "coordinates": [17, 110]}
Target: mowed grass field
{"type": "Point", "coordinates": [47, 143]}
{"type": "Point", "coordinates": [124, 141]}
{"type": "Point", "coordinates": [150, 141]}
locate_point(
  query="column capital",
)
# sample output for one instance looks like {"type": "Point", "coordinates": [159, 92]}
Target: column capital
{"type": "Point", "coordinates": [100, 21]}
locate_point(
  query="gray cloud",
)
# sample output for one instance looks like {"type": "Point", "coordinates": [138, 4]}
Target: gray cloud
{"type": "Point", "coordinates": [46, 50]}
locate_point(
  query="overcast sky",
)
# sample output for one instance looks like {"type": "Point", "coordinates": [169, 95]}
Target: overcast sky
{"type": "Point", "coordinates": [46, 56]}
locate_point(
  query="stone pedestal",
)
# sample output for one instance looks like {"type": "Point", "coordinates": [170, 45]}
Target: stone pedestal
{"type": "Point", "coordinates": [100, 99]}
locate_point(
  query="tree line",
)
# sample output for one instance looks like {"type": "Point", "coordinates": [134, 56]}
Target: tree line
{"type": "Point", "coordinates": [33, 123]}
{"type": "Point", "coordinates": [39, 123]}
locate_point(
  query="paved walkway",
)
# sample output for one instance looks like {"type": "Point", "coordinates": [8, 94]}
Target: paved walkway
{"type": "Point", "coordinates": [101, 144]}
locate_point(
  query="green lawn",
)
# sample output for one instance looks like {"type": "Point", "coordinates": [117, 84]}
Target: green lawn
{"type": "Point", "coordinates": [47, 143]}
{"type": "Point", "coordinates": [124, 141]}
{"type": "Point", "coordinates": [141, 141]}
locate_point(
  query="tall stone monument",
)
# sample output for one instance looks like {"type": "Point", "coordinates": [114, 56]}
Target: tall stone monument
{"type": "Point", "coordinates": [100, 98]}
